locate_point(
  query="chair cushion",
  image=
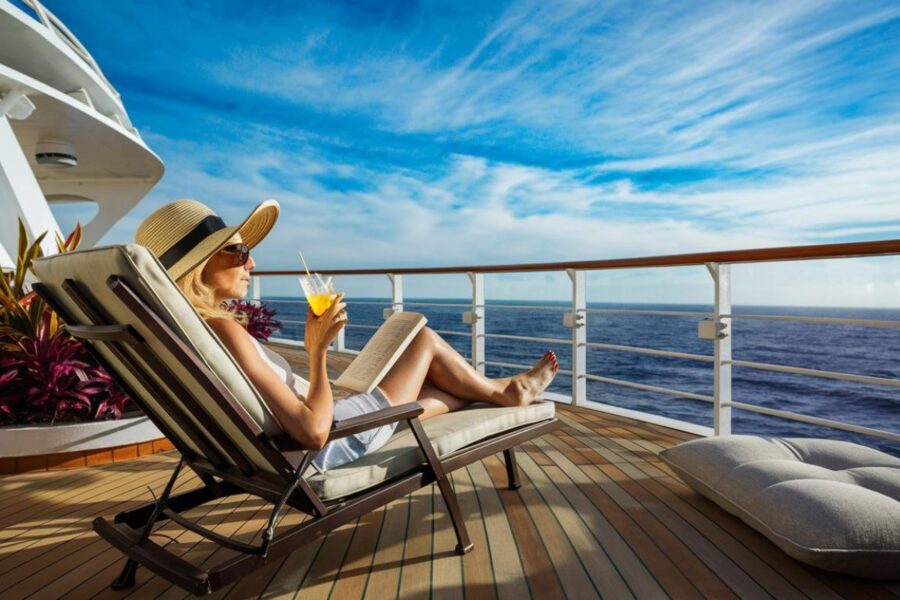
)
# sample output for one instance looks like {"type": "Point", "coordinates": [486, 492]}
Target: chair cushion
{"type": "Point", "coordinates": [448, 433]}
{"type": "Point", "coordinates": [831, 504]}
{"type": "Point", "coordinates": [141, 270]}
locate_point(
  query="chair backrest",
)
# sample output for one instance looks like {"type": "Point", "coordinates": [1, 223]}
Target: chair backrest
{"type": "Point", "coordinates": [164, 354]}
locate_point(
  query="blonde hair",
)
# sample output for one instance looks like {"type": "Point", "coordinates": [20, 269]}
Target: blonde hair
{"type": "Point", "coordinates": [203, 299]}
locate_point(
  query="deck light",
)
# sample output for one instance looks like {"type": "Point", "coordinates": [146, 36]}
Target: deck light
{"type": "Point", "coordinates": [56, 154]}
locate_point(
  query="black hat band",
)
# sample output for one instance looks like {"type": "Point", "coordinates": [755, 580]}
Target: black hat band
{"type": "Point", "coordinates": [203, 230]}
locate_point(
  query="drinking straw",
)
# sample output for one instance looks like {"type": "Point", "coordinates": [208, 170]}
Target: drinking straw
{"type": "Point", "coordinates": [305, 267]}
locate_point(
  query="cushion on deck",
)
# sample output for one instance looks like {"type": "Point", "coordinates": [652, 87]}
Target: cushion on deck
{"type": "Point", "coordinates": [831, 504]}
{"type": "Point", "coordinates": [448, 433]}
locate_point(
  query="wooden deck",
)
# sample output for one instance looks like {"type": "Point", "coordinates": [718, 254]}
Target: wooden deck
{"type": "Point", "coordinates": [597, 515]}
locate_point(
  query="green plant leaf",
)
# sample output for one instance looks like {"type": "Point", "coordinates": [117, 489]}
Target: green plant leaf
{"type": "Point", "coordinates": [25, 264]}
{"type": "Point", "coordinates": [23, 239]}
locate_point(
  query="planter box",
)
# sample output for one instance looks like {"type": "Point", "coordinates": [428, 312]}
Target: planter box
{"type": "Point", "coordinates": [44, 439]}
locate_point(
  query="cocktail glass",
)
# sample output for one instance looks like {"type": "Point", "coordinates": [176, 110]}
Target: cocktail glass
{"type": "Point", "coordinates": [319, 293]}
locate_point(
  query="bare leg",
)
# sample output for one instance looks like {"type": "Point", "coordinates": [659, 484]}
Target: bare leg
{"type": "Point", "coordinates": [430, 358]}
{"type": "Point", "coordinates": [437, 402]}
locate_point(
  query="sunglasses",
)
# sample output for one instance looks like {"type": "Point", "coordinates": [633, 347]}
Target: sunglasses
{"type": "Point", "coordinates": [240, 254]}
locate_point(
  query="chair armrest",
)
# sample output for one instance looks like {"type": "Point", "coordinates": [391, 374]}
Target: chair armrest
{"type": "Point", "coordinates": [375, 419]}
{"type": "Point", "coordinates": [285, 443]}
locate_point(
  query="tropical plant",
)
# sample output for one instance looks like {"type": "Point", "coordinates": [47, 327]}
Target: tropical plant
{"type": "Point", "coordinates": [21, 310]}
{"type": "Point", "coordinates": [45, 374]}
{"type": "Point", "coordinates": [51, 378]}
{"type": "Point", "coordinates": [259, 318]}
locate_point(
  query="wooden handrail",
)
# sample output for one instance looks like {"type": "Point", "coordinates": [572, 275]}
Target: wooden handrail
{"type": "Point", "coordinates": [844, 250]}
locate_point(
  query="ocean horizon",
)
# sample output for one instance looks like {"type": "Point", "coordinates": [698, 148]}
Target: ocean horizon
{"type": "Point", "coordinates": [853, 349]}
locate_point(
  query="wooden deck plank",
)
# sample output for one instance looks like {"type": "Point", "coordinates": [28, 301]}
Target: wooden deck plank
{"type": "Point", "coordinates": [660, 565]}
{"type": "Point", "coordinates": [74, 584]}
{"type": "Point", "coordinates": [280, 579]}
{"type": "Point", "coordinates": [598, 512]}
{"type": "Point", "coordinates": [38, 510]}
{"type": "Point", "coordinates": [718, 560]}
{"type": "Point", "coordinates": [639, 473]}
{"type": "Point", "coordinates": [36, 560]}
{"type": "Point", "coordinates": [477, 568]}
{"type": "Point", "coordinates": [384, 577]}
{"type": "Point", "coordinates": [227, 517]}
{"type": "Point", "coordinates": [540, 574]}
{"type": "Point", "coordinates": [34, 538]}
{"type": "Point", "coordinates": [246, 530]}
{"type": "Point", "coordinates": [63, 554]}
{"type": "Point", "coordinates": [103, 568]}
{"type": "Point", "coordinates": [790, 570]}
{"type": "Point", "coordinates": [507, 558]}
{"type": "Point", "coordinates": [614, 568]}
{"type": "Point", "coordinates": [354, 574]}
{"type": "Point", "coordinates": [536, 454]}
{"type": "Point", "coordinates": [575, 580]}
{"type": "Point", "coordinates": [797, 573]}
{"type": "Point", "coordinates": [809, 581]}
{"type": "Point", "coordinates": [14, 487]}
{"type": "Point", "coordinates": [96, 483]}
{"type": "Point", "coordinates": [446, 565]}
{"type": "Point", "coordinates": [415, 574]}
{"type": "Point", "coordinates": [810, 584]}
{"type": "Point", "coordinates": [320, 579]}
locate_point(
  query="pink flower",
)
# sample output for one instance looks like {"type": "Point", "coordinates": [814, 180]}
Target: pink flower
{"type": "Point", "coordinates": [260, 321]}
{"type": "Point", "coordinates": [52, 378]}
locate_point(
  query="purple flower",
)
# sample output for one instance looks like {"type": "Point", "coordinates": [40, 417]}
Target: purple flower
{"type": "Point", "coordinates": [260, 318]}
{"type": "Point", "coordinates": [51, 378]}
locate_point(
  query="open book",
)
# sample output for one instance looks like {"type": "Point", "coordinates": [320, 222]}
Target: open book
{"type": "Point", "coordinates": [381, 352]}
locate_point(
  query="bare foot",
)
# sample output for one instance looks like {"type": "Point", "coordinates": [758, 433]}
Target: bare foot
{"type": "Point", "coordinates": [524, 388]}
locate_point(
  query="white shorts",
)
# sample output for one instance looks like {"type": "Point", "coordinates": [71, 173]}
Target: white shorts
{"type": "Point", "coordinates": [357, 445]}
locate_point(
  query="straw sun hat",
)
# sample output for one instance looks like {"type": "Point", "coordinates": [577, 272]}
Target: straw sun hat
{"type": "Point", "coordinates": [184, 233]}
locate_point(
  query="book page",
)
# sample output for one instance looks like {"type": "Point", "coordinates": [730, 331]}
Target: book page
{"type": "Point", "coordinates": [381, 351]}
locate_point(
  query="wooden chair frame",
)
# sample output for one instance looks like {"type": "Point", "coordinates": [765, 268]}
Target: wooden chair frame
{"type": "Point", "coordinates": [224, 468]}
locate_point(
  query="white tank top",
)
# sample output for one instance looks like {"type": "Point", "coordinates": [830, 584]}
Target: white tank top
{"type": "Point", "coordinates": [280, 365]}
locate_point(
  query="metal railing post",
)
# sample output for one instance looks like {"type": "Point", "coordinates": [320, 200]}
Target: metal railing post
{"type": "Point", "coordinates": [255, 292]}
{"type": "Point", "coordinates": [577, 321]}
{"type": "Point", "coordinates": [721, 275]}
{"type": "Point", "coordinates": [476, 318]}
{"type": "Point", "coordinates": [396, 294]}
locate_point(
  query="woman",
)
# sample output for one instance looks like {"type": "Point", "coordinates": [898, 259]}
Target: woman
{"type": "Point", "coordinates": [211, 263]}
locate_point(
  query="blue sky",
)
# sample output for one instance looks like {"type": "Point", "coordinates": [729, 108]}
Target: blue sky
{"type": "Point", "coordinates": [400, 134]}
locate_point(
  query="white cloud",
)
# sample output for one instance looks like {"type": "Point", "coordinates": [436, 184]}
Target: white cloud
{"type": "Point", "coordinates": [709, 83]}
{"type": "Point", "coordinates": [750, 95]}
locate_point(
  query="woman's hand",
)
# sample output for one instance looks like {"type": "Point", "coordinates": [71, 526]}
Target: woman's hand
{"type": "Point", "coordinates": [320, 331]}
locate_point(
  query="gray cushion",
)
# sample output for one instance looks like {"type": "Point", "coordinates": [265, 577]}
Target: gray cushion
{"type": "Point", "coordinates": [447, 433]}
{"type": "Point", "coordinates": [834, 505]}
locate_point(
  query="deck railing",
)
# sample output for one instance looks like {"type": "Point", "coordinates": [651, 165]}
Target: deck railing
{"type": "Point", "coordinates": [54, 24]}
{"type": "Point", "coordinates": [716, 325]}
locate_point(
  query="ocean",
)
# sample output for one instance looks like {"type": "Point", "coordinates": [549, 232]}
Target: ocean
{"type": "Point", "coordinates": [850, 349]}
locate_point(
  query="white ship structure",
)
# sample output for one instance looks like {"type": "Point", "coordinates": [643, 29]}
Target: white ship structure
{"type": "Point", "coordinates": [65, 135]}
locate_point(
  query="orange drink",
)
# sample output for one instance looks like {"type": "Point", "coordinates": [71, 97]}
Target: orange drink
{"type": "Point", "coordinates": [319, 294]}
{"type": "Point", "coordinates": [321, 302]}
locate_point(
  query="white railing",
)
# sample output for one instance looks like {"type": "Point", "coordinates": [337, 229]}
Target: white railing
{"type": "Point", "coordinates": [715, 326]}
{"type": "Point", "coordinates": [54, 24]}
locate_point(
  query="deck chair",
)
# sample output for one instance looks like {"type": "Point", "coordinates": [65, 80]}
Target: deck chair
{"type": "Point", "coordinates": [132, 317]}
